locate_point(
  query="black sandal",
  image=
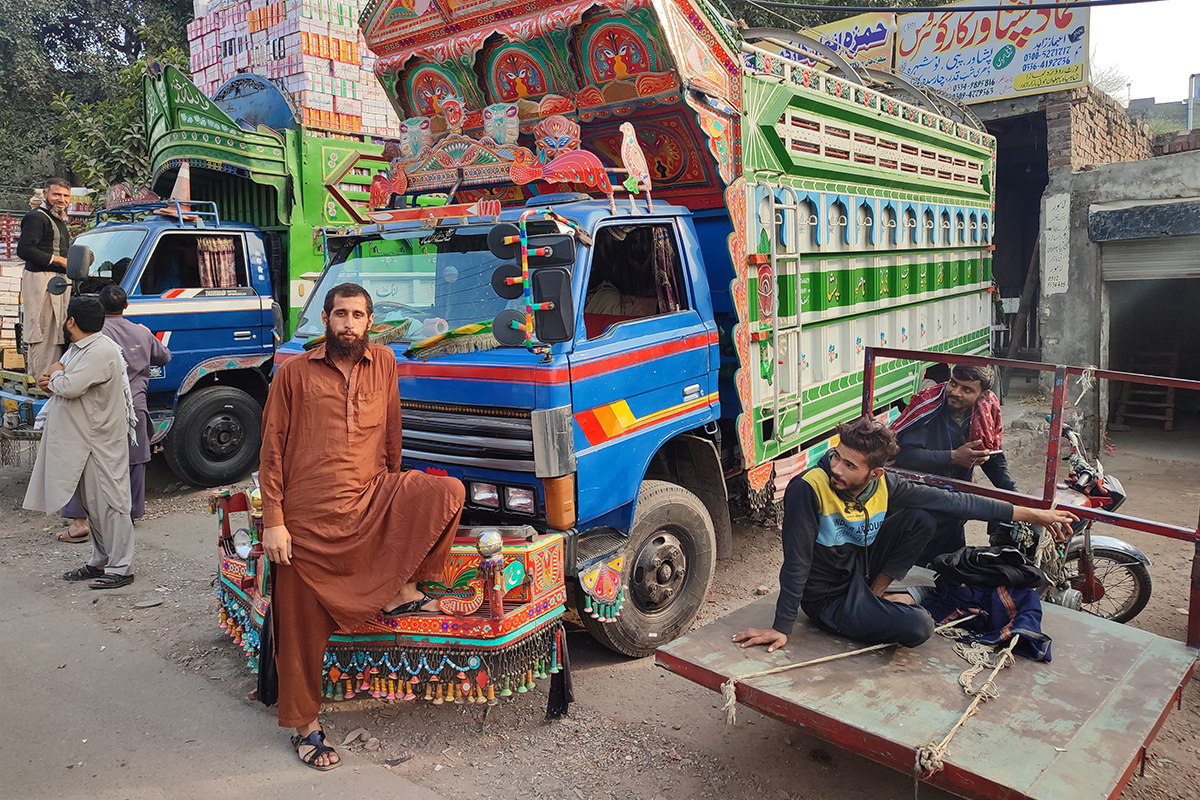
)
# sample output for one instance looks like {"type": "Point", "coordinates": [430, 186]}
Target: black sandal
{"type": "Point", "coordinates": [412, 607]}
{"type": "Point", "coordinates": [107, 580]}
{"type": "Point", "coordinates": [84, 573]}
{"type": "Point", "coordinates": [315, 740]}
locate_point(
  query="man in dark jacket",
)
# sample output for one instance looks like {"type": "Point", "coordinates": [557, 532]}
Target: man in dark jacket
{"type": "Point", "coordinates": [850, 529]}
{"type": "Point", "coordinates": [43, 245]}
{"type": "Point", "coordinates": [949, 430]}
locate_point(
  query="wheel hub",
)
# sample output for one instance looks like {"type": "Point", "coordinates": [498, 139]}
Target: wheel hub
{"type": "Point", "coordinates": [658, 572]}
{"type": "Point", "coordinates": [222, 437]}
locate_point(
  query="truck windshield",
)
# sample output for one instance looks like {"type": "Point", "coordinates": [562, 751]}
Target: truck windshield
{"type": "Point", "coordinates": [439, 279]}
{"type": "Point", "coordinates": [112, 250]}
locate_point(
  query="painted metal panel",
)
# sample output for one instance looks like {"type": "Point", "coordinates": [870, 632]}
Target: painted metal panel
{"type": "Point", "coordinates": [1073, 727]}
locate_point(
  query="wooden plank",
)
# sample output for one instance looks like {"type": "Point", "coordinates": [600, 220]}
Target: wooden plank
{"type": "Point", "coordinates": [1071, 728]}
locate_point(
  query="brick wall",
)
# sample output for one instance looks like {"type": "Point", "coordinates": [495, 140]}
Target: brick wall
{"type": "Point", "coordinates": [1085, 127]}
{"type": "Point", "coordinates": [1182, 142]}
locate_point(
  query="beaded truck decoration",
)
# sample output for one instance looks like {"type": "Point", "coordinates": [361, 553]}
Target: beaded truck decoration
{"type": "Point", "coordinates": [501, 600]}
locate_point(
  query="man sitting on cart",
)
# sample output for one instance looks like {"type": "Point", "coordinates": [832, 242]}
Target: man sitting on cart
{"type": "Point", "coordinates": [850, 530]}
{"type": "Point", "coordinates": [949, 429]}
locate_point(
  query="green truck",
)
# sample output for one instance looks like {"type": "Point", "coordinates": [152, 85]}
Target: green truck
{"type": "Point", "coordinates": [248, 153]}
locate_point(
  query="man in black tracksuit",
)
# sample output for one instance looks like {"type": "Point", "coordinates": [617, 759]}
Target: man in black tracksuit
{"type": "Point", "coordinates": [43, 245]}
{"type": "Point", "coordinates": [850, 529]}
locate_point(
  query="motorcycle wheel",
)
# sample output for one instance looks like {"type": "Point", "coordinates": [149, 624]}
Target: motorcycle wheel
{"type": "Point", "coordinates": [1125, 583]}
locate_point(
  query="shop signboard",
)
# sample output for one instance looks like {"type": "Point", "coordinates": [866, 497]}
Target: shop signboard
{"type": "Point", "coordinates": [979, 56]}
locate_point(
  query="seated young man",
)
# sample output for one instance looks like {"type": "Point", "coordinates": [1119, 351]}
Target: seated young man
{"type": "Point", "coordinates": [850, 529]}
{"type": "Point", "coordinates": [949, 429]}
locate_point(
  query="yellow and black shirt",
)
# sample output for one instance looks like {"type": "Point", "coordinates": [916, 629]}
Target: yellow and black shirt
{"type": "Point", "coordinates": [827, 535]}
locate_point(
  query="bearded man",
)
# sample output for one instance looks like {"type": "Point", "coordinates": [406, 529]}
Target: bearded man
{"type": "Point", "coordinates": [347, 532]}
{"type": "Point", "coordinates": [43, 245]}
{"type": "Point", "coordinates": [850, 530]}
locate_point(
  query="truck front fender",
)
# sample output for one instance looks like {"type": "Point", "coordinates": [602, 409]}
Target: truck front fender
{"type": "Point", "coordinates": [221, 364]}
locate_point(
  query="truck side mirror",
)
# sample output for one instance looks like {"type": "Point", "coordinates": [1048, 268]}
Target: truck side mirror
{"type": "Point", "coordinates": [557, 324]}
{"type": "Point", "coordinates": [545, 249]}
{"type": "Point", "coordinates": [550, 284]}
{"type": "Point", "coordinates": [79, 259]}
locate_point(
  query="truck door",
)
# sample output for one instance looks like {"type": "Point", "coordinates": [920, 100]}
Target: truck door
{"type": "Point", "coordinates": [640, 369]}
{"type": "Point", "coordinates": [195, 294]}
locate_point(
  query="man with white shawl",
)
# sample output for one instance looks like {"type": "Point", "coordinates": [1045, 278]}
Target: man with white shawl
{"type": "Point", "coordinates": [85, 444]}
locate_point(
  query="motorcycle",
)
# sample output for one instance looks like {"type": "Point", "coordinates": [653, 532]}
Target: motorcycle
{"type": "Point", "coordinates": [1102, 575]}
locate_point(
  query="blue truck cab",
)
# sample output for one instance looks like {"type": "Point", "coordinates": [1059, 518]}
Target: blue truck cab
{"type": "Point", "coordinates": [611, 437]}
{"type": "Point", "coordinates": [203, 287]}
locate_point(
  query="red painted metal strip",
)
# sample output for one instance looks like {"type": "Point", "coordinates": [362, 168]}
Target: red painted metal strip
{"type": "Point", "coordinates": [581, 370]}
{"type": "Point", "coordinates": [423, 369]}
{"type": "Point", "coordinates": [1120, 520]}
{"type": "Point", "coordinates": [1050, 484]}
{"type": "Point", "coordinates": [1193, 625]}
{"type": "Point", "coordinates": [1008, 363]}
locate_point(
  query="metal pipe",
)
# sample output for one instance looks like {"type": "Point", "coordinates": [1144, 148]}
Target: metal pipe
{"type": "Point", "coordinates": [1050, 485]}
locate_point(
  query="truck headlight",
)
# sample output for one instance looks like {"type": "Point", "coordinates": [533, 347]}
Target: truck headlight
{"type": "Point", "coordinates": [521, 501]}
{"type": "Point", "coordinates": [241, 543]}
{"type": "Point", "coordinates": [485, 494]}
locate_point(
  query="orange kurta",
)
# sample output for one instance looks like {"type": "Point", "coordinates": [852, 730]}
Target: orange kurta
{"type": "Point", "coordinates": [330, 471]}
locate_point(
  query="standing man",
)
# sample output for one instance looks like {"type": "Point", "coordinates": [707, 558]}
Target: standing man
{"type": "Point", "coordinates": [43, 245]}
{"type": "Point", "coordinates": [85, 444]}
{"type": "Point", "coordinates": [141, 349]}
{"type": "Point", "coordinates": [850, 529]}
{"type": "Point", "coordinates": [347, 532]}
{"type": "Point", "coordinates": [949, 429]}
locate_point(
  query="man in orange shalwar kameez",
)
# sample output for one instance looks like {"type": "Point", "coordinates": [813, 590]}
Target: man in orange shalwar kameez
{"type": "Point", "coordinates": [347, 533]}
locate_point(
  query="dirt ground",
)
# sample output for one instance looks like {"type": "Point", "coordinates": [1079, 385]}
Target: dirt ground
{"type": "Point", "coordinates": [635, 731]}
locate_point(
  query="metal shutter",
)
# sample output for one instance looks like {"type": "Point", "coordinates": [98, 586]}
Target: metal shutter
{"type": "Point", "coordinates": [1148, 259]}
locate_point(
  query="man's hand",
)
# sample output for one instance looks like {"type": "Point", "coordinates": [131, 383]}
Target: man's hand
{"type": "Point", "coordinates": [1055, 520]}
{"type": "Point", "coordinates": [44, 382]}
{"type": "Point", "coordinates": [277, 544]}
{"type": "Point", "coordinates": [58, 261]}
{"type": "Point", "coordinates": [772, 638]}
{"type": "Point", "coordinates": [57, 366]}
{"type": "Point", "coordinates": [969, 455]}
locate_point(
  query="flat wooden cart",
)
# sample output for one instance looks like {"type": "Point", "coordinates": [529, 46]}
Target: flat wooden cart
{"type": "Point", "coordinates": [1074, 728]}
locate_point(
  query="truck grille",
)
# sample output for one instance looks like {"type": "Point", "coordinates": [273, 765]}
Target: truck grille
{"type": "Point", "coordinates": [491, 438]}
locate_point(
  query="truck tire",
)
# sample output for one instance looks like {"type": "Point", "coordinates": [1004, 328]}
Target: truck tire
{"type": "Point", "coordinates": [215, 437]}
{"type": "Point", "coordinates": [670, 557]}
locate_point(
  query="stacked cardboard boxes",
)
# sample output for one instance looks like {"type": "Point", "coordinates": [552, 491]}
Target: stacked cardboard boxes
{"type": "Point", "coordinates": [10, 301]}
{"type": "Point", "coordinates": [311, 48]}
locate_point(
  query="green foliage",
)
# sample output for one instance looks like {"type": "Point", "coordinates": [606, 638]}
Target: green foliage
{"type": "Point", "coordinates": [75, 48]}
{"type": "Point", "coordinates": [105, 141]}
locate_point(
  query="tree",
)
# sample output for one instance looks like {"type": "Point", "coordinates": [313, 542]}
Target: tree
{"type": "Point", "coordinates": [73, 47]}
{"type": "Point", "coordinates": [1109, 78]}
{"type": "Point", "coordinates": [105, 141]}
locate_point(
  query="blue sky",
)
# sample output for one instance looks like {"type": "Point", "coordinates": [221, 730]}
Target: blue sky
{"type": "Point", "coordinates": [1152, 43]}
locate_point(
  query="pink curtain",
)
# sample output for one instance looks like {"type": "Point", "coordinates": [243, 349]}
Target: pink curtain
{"type": "Point", "coordinates": [218, 263]}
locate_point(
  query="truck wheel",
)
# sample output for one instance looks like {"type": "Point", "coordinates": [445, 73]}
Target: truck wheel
{"type": "Point", "coordinates": [670, 557]}
{"type": "Point", "coordinates": [215, 437]}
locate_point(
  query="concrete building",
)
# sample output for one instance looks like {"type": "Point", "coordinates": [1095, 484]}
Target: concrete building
{"type": "Point", "coordinates": [1115, 218]}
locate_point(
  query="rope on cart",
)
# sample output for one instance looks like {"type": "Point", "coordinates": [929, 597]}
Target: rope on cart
{"type": "Point", "coordinates": [930, 756]}
{"type": "Point", "coordinates": [729, 687]}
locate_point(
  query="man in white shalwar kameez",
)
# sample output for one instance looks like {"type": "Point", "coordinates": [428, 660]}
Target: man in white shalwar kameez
{"type": "Point", "coordinates": [85, 444]}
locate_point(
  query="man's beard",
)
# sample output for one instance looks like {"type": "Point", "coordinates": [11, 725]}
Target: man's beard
{"type": "Point", "coordinates": [343, 350]}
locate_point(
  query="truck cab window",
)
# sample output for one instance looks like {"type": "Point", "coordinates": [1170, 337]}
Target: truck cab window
{"type": "Point", "coordinates": [635, 273]}
{"type": "Point", "coordinates": [185, 261]}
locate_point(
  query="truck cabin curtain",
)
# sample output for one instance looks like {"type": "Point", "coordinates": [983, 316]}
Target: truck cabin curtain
{"type": "Point", "coordinates": [665, 270]}
{"type": "Point", "coordinates": [218, 261]}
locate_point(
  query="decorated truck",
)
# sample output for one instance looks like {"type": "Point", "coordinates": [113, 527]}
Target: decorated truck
{"type": "Point", "coordinates": [665, 246]}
